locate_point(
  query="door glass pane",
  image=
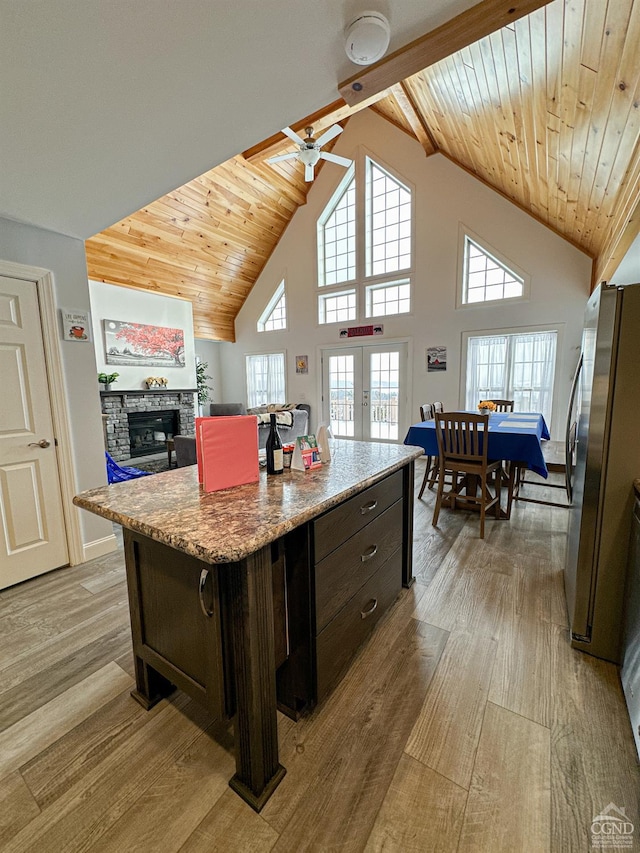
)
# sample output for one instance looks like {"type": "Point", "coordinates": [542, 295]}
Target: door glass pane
{"type": "Point", "coordinates": [384, 395]}
{"type": "Point", "coordinates": [341, 388]}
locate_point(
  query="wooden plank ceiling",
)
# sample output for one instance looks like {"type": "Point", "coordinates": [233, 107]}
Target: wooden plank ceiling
{"type": "Point", "coordinates": [546, 111]}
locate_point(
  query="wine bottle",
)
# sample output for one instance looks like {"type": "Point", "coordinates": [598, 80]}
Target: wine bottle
{"type": "Point", "coordinates": [275, 461]}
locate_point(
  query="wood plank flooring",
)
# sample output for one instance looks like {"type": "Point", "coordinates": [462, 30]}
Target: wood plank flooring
{"type": "Point", "coordinates": [467, 723]}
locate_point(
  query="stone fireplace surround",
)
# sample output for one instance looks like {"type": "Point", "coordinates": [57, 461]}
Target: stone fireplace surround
{"type": "Point", "coordinates": [117, 404]}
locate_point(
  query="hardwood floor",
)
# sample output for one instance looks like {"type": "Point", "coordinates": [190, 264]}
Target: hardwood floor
{"type": "Point", "coordinates": [467, 723]}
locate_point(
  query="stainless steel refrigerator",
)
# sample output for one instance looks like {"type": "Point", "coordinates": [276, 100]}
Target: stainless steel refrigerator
{"type": "Point", "coordinates": [607, 459]}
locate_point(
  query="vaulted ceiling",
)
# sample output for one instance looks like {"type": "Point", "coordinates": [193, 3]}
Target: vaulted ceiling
{"type": "Point", "coordinates": [546, 111]}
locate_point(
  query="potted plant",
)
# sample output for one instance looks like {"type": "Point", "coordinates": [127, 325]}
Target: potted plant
{"type": "Point", "coordinates": [201, 382]}
{"type": "Point", "coordinates": [105, 379]}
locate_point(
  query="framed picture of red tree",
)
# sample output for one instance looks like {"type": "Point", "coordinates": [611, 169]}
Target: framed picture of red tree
{"type": "Point", "coordinates": [143, 346]}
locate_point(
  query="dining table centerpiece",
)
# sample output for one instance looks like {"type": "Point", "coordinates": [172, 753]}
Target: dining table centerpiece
{"type": "Point", "coordinates": [485, 407]}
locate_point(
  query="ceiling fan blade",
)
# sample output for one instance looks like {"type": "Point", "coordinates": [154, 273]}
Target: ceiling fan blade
{"type": "Point", "coordinates": [328, 135]}
{"type": "Point", "coordinates": [293, 136]}
{"type": "Point", "coordinates": [335, 158]}
{"type": "Point", "coordinates": [308, 173]}
{"type": "Point", "coordinates": [277, 159]}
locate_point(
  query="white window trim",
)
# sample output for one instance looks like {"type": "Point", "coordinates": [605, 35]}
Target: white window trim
{"type": "Point", "coordinates": [327, 212]}
{"type": "Point", "coordinates": [463, 233]}
{"type": "Point", "coordinates": [380, 285]}
{"type": "Point", "coordinates": [405, 271]}
{"type": "Point", "coordinates": [558, 328]}
{"type": "Point", "coordinates": [247, 355]}
{"type": "Point", "coordinates": [325, 293]}
{"type": "Point", "coordinates": [361, 281]}
{"type": "Point", "coordinates": [271, 304]}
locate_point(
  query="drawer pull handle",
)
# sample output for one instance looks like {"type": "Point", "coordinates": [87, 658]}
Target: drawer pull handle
{"type": "Point", "coordinates": [368, 507]}
{"type": "Point", "coordinates": [365, 613]}
{"type": "Point", "coordinates": [204, 574]}
{"type": "Point", "coordinates": [371, 551]}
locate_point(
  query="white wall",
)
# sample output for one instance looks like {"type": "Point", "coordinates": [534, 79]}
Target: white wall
{"type": "Point", "coordinates": [65, 258]}
{"type": "Point", "coordinates": [112, 302]}
{"type": "Point", "coordinates": [445, 195]}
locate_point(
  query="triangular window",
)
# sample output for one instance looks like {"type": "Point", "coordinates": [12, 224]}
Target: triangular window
{"type": "Point", "coordinates": [274, 315]}
{"type": "Point", "coordinates": [485, 278]}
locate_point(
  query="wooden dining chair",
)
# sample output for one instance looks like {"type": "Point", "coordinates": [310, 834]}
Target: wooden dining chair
{"type": "Point", "coordinates": [503, 405]}
{"type": "Point", "coordinates": [462, 447]}
{"type": "Point", "coordinates": [438, 407]}
{"type": "Point", "coordinates": [431, 469]}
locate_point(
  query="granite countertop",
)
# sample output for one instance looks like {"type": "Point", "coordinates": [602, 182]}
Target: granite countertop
{"type": "Point", "coordinates": [225, 526]}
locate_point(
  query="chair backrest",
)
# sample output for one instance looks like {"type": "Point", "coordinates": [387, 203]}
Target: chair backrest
{"type": "Point", "coordinates": [185, 448]}
{"type": "Point", "coordinates": [504, 405]}
{"type": "Point", "coordinates": [220, 410]}
{"type": "Point", "coordinates": [438, 407]}
{"type": "Point", "coordinates": [427, 412]}
{"type": "Point", "coordinates": [461, 436]}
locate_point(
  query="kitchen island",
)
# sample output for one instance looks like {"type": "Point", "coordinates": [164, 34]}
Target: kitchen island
{"type": "Point", "coordinates": [256, 598]}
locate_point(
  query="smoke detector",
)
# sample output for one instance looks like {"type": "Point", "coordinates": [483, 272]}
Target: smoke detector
{"type": "Point", "coordinates": [367, 38]}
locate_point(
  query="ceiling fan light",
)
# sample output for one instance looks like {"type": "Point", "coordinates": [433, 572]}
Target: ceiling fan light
{"type": "Point", "coordinates": [309, 156]}
{"type": "Point", "coordinates": [367, 38]}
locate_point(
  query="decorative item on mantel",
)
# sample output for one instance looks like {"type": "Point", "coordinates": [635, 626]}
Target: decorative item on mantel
{"type": "Point", "coordinates": [105, 379]}
{"type": "Point", "coordinates": [156, 382]}
{"type": "Point", "coordinates": [486, 406]}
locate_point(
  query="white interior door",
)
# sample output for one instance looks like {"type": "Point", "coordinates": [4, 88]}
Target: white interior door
{"type": "Point", "coordinates": [364, 391]}
{"type": "Point", "coordinates": [32, 531]}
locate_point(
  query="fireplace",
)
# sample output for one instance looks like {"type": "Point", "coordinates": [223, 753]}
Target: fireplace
{"type": "Point", "coordinates": [149, 431]}
{"type": "Point", "coordinates": [164, 412]}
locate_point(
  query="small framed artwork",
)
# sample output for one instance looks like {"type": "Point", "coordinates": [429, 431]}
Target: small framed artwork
{"type": "Point", "coordinates": [436, 359]}
{"type": "Point", "coordinates": [302, 364]}
{"type": "Point", "coordinates": [75, 325]}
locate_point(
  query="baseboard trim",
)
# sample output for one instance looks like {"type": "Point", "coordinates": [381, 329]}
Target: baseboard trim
{"type": "Point", "coordinates": [99, 547]}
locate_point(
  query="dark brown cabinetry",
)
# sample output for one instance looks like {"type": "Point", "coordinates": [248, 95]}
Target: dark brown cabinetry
{"type": "Point", "coordinates": [176, 627]}
{"type": "Point", "coordinates": [358, 576]}
{"type": "Point", "coordinates": [258, 598]}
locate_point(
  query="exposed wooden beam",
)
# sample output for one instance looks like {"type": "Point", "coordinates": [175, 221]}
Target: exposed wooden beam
{"type": "Point", "coordinates": [335, 112]}
{"type": "Point", "coordinates": [477, 22]}
{"type": "Point", "coordinates": [410, 111]}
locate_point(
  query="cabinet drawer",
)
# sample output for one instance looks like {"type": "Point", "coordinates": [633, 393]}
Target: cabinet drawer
{"type": "Point", "coordinates": [350, 566]}
{"type": "Point", "coordinates": [336, 526]}
{"type": "Point", "coordinates": [340, 640]}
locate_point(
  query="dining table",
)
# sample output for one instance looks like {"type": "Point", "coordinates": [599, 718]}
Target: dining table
{"type": "Point", "coordinates": [514, 437]}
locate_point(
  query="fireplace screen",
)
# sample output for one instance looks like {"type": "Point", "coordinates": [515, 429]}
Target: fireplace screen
{"type": "Point", "coordinates": [149, 431]}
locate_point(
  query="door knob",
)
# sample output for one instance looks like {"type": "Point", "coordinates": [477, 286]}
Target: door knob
{"type": "Point", "coordinates": [42, 443]}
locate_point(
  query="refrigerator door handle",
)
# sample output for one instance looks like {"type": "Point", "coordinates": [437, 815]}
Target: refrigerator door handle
{"type": "Point", "coordinates": [571, 432]}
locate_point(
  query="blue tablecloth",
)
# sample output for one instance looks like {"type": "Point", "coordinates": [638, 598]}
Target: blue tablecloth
{"type": "Point", "coordinates": [514, 436]}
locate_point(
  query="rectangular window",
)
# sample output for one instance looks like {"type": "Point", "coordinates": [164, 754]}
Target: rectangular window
{"type": "Point", "coordinates": [337, 307]}
{"type": "Point", "coordinates": [518, 367]}
{"type": "Point", "coordinates": [265, 379]}
{"type": "Point", "coordinates": [383, 300]}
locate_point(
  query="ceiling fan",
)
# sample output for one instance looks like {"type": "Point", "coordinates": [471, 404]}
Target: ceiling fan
{"type": "Point", "coordinates": [310, 151]}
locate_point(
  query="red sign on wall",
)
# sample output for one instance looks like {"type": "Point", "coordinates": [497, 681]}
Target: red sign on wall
{"type": "Point", "coordinates": [361, 331]}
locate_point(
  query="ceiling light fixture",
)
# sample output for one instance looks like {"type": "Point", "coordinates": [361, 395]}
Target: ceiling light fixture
{"type": "Point", "coordinates": [367, 38]}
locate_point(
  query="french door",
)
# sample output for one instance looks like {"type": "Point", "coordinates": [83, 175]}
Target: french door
{"type": "Point", "coordinates": [364, 392]}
